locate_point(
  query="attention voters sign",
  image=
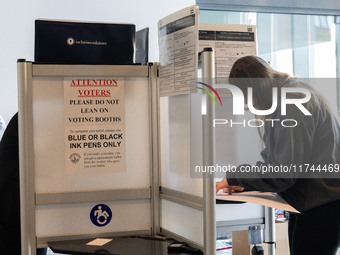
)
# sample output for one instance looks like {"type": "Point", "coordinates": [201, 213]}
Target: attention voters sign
{"type": "Point", "coordinates": [94, 121]}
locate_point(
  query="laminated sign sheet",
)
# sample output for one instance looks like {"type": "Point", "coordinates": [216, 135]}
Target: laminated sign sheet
{"type": "Point", "coordinates": [230, 43]}
{"type": "Point", "coordinates": [178, 45]}
{"type": "Point", "coordinates": [94, 121]}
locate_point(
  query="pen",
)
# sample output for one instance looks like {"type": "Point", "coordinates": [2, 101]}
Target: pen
{"type": "Point", "coordinates": [230, 190]}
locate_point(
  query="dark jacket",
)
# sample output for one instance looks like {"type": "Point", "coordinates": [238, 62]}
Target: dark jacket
{"type": "Point", "coordinates": [314, 142]}
{"type": "Point", "coordinates": [10, 241]}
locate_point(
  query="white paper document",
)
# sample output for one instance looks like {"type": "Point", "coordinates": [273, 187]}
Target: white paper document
{"type": "Point", "coordinates": [94, 121]}
{"type": "Point", "coordinates": [99, 242]}
{"type": "Point", "coordinates": [269, 199]}
{"type": "Point", "coordinates": [178, 55]}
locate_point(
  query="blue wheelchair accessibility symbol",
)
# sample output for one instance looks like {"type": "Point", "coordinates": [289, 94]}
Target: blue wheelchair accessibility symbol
{"type": "Point", "coordinates": [101, 215]}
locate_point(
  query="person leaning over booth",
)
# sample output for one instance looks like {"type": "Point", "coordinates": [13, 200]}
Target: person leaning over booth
{"type": "Point", "coordinates": [313, 142]}
{"type": "Point", "coordinates": [10, 237]}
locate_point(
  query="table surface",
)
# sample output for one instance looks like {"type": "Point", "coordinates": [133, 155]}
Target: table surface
{"type": "Point", "coordinates": [118, 246]}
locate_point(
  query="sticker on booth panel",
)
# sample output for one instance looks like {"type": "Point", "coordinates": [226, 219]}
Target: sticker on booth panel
{"type": "Point", "coordinates": [101, 215]}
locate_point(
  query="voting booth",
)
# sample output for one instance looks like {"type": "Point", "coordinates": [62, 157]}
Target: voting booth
{"type": "Point", "coordinates": [188, 203]}
{"type": "Point", "coordinates": [188, 138]}
{"type": "Point", "coordinates": [144, 198]}
{"type": "Point", "coordinates": [58, 203]}
{"type": "Point", "coordinates": [103, 155]}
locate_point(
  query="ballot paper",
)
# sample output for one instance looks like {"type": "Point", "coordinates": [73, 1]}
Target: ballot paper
{"type": "Point", "coordinates": [269, 199]}
{"type": "Point", "coordinates": [178, 45]}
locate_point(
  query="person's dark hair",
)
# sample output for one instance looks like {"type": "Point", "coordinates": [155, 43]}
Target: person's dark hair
{"type": "Point", "coordinates": [254, 72]}
{"type": "Point", "coordinates": [254, 67]}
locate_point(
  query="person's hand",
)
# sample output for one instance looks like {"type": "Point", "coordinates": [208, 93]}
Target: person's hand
{"type": "Point", "coordinates": [226, 188]}
{"type": "Point", "coordinates": [234, 188]}
{"type": "Point", "coordinates": [223, 185]}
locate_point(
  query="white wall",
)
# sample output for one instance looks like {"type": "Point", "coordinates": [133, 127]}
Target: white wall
{"type": "Point", "coordinates": [17, 30]}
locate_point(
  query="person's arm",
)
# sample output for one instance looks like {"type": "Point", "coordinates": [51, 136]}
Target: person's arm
{"type": "Point", "coordinates": [286, 147]}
